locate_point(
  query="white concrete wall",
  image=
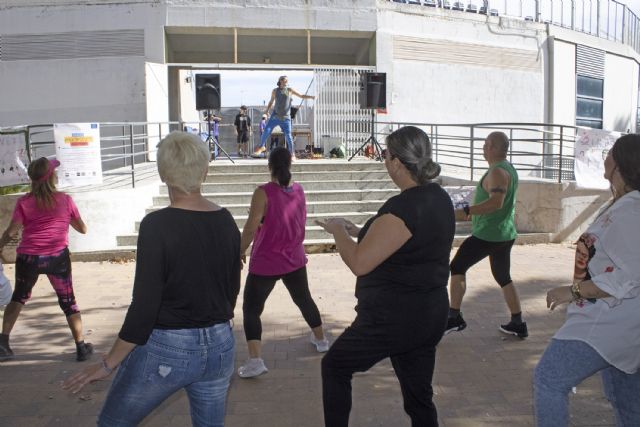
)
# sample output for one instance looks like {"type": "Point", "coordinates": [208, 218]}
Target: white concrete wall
{"type": "Point", "coordinates": [107, 213]}
{"type": "Point", "coordinates": [75, 90]}
{"type": "Point", "coordinates": [434, 90]}
{"type": "Point", "coordinates": [563, 84]}
{"type": "Point", "coordinates": [620, 93]}
{"type": "Point", "coordinates": [562, 210]}
{"type": "Point", "coordinates": [157, 96]}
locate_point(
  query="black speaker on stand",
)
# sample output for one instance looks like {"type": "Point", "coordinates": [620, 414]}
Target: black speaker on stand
{"type": "Point", "coordinates": [208, 98]}
{"type": "Point", "coordinates": [372, 95]}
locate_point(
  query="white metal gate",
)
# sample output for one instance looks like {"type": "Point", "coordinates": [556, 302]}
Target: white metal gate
{"type": "Point", "coordinates": [337, 113]}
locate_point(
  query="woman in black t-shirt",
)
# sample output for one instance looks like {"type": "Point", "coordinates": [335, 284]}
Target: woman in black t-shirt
{"type": "Point", "coordinates": [401, 259]}
{"type": "Point", "coordinates": [177, 332]}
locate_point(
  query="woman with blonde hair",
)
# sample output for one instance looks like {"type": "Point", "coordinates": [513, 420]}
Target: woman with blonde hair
{"type": "Point", "coordinates": [177, 332]}
{"type": "Point", "coordinates": [44, 215]}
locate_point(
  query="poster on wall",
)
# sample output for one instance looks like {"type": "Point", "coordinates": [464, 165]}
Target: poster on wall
{"type": "Point", "coordinates": [78, 150]}
{"type": "Point", "coordinates": [14, 157]}
{"type": "Point", "coordinates": [591, 148]}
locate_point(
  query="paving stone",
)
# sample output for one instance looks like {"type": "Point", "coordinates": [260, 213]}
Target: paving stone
{"type": "Point", "coordinates": [482, 377]}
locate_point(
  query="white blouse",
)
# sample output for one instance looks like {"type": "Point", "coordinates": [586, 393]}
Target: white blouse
{"type": "Point", "coordinates": [611, 325]}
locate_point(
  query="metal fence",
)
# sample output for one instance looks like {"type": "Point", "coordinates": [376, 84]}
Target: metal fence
{"type": "Point", "coordinates": [608, 19]}
{"type": "Point", "coordinates": [537, 150]}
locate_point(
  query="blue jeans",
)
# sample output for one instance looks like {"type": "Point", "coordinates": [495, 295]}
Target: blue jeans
{"type": "Point", "coordinates": [198, 360]}
{"type": "Point", "coordinates": [565, 364]}
{"type": "Point", "coordinates": [285, 125]}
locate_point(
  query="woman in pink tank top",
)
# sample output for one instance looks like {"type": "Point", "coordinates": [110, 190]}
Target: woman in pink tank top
{"type": "Point", "coordinates": [276, 226]}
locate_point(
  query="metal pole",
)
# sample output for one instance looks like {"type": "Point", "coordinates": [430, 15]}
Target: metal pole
{"type": "Point", "coordinates": [511, 145]}
{"type": "Point", "coordinates": [124, 148]}
{"type": "Point", "coordinates": [133, 149]}
{"type": "Point", "coordinates": [560, 155]}
{"type": "Point", "coordinates": [624, 26]}
{"type": "Point", "coordinates": [598, 18]}
{"type": "Point", "coordinates": [471, 148]}
{"type": "Point", "coordinates": [537, 10]}
{"type": "Point", "coordinates": [573, 14]}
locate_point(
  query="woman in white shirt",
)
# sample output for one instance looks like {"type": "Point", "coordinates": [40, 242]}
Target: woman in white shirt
{"type": "Point", "coordinates": [602, 329]}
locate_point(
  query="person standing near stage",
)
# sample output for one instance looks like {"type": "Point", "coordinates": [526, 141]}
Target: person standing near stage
{"type": "Point", "coordinates": [401, 261]}
{"type": "Point", "coordinates": [276, 226]}
{"type": "Point", "coordinates": [493, 234]}
{"type": "Point", "coordinates": [44, 214]}
{"type": "Point", "coordinates": [281, 115]}
{"type": "Point", "coordinates": [242, 123]}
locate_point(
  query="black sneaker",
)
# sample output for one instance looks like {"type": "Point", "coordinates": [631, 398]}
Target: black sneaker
{"type": "Point", "coordinates": [519, 330]}
{"type": "Point", "coordinates": [455, 324]}
{"type": "Point", "coordinates": [5, 351]}
{"type": "Point", "coordinates": [84, 351]}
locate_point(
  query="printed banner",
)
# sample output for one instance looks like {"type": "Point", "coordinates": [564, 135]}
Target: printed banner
{"type": "Point", "coordinates": [591, 148]}
{"type": "Point", "coordinates": [14, 158]}
{"type": "Point", "coordinates": [78, 150]}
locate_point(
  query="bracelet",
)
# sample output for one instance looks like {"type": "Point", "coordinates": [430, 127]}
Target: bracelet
{"type": "Point", "coordinates": [106, 368]}
{"type": "Point", "coordinates": [467, 210]}
{"type": "Point", "coordinates": [575, 291]}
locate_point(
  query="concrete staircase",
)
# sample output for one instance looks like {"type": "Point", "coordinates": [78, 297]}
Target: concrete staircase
{"type": "Point", "coordinates": [353, 190]}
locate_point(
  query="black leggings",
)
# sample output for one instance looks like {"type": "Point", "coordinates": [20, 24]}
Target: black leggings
{"type": "Point", "coordinates": [257, 290]}
{"type": "Point", "coordinates": [474, 250]}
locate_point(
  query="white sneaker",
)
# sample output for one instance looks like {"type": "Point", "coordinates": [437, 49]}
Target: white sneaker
{"type": "Point", "coordinates": [252, 368]}
{"type": "Point", "coordinates": [322, 346]}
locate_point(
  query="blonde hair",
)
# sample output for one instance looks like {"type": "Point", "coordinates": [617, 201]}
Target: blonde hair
{"type": "Point", "coordinates": [43, 191]}
{"type": "Point", "coordinates": [182, 161]}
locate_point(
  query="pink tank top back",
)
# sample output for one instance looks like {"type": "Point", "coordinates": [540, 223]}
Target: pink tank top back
{"type": "Point", "coordinates": [278, 244]}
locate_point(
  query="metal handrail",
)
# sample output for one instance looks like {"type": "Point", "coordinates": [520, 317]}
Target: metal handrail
{"type": "Point", "coordinates": [537, 149]}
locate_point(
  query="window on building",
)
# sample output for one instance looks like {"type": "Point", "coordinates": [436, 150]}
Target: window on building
{"type": "Point", "coordinates": [589, 100]}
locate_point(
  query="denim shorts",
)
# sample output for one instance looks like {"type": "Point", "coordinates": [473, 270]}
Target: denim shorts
{"type": "Point", "coordinates": [199, 360]}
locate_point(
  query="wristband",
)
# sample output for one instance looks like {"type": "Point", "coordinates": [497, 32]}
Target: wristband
{"type": "Point", "coordinates": [575, 291]}
{"type": "Point", "coordinates": [467, 210]}
{"type": "Point", "coordinates": [106, 368]}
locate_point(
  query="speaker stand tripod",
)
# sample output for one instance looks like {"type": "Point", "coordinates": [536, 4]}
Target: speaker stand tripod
{"type": "Point", "coordinates": [377, 149]}
{"type": "Point", "coordinates": [212, 143]}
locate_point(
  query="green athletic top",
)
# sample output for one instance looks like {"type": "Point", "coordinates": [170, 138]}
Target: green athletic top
{"type": "Point", "coordinates": [498, 226]}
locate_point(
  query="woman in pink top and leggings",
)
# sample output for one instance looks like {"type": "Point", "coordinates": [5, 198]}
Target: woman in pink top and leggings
{"type": "Point", "coordinates": [44, 214]}
{"type": "Point", "coordinates": [276, 226]}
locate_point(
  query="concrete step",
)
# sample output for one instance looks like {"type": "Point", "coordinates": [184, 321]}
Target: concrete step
{"type": "Point", "coordinates": [264, 176]}
{"type": "Point", "coordinates": [260, 166]}
{"type": "Point", "coordinates": [311, 196]}
{"type": "Point", "coordinates": [355, 217]}
{"type": "Point", "coordinates": [244, 187]}
{"type": "Point", "coordinates": [312, 231]}
{"type": "Point", "coordinates": [311, 246]}
{"type": "Point", "coordinates": [332, 207]}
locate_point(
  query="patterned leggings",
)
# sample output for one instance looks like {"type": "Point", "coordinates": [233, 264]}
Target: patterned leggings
{"type": "Point", "coordinates": [58, 270]}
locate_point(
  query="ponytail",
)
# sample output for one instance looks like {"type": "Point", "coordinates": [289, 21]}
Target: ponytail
{"type": "Point", "coordinates": [280, 165]}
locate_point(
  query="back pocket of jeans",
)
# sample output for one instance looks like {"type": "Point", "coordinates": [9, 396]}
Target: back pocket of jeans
{"type": "Point", "coordinates": [164, 370]}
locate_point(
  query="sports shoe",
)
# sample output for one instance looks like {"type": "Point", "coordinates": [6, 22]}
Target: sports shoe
{"type": "Point", "coordinates": [322, 346]}
{"type": "Point", "coordinates": [519, 330]}
{"type": "Point", "coordinates": [83, 351]}
{"type": "Point", "coordinates": [259, 151]}
{"type": "Point", "coordinates": [252, 368]}
{"type": "Point", "coordinates": [5, 351]}
{"type": "Point", "coordinates": [455, 324]}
